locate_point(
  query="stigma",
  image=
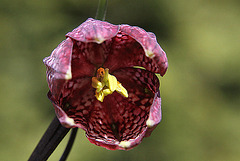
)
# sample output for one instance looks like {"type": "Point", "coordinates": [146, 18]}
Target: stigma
{"type": "Point", "coordinates": [106, 84]}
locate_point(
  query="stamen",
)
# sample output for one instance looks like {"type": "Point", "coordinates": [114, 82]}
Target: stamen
{"type": "Point", "coordinates": [106, 84]}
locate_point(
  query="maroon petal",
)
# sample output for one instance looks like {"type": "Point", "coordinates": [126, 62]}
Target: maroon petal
{"type": "Point", "coordinates": [128, 50]}
{"type": "Point", "coordinates": [145, 92]}
{"type": "Point", "coordinates": [59, 67]}
{"type": "Point", "coordinates": [77, 98]}
{"type": "Point", "coordinates": [121, 123]}
{"type": "Point", "coordinates": [81, 65]}
{"type": "Point", "coordinates": [94, 31]}
{"type": "Point", "coordinates": [62, 116]}
{"type": "Point", "coordinates": [127, 47]}
{"type": "Point", "coordinates": [94, 39]}
{"type": "Point", "coordinates": [66, 63]}
{"type": "Point", "coordinates": [136, 47]}
{"type": "Point", "coordinates": [151, 47]}
{"type": "Point", "coordinates": [92, 52]}
{"type": "Point", "coordinates": [117, 122]}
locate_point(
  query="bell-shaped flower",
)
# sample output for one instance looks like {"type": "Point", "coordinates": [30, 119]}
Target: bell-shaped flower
{"type": "Point", "coordinates": [102, 79]}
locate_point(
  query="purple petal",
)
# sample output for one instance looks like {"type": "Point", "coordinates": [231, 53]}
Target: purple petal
{"type": "Point", "coordinates": [94, 31]}
{"type": "Point", "coordinates": [120, 119]}
{"type": "Point", "coordinates": [148, 85]}
{"type": "Point", "coordinates": [117, 119]}
{"type": "Point", "coordinates": [77, 98]}
{"type": "Point", "coordinates": [149, 43]}
{"type": "Point", "coordinates": [81, 65]}
{"type": "Point", "coordinates": [60, 113]}
{"type": "Point", "coordinates": [127, 51]}
{"type": "Point", "coordinates": [59, 66]}
{"type": "Point", "coordinates": [79, 103]}
{"type": "Point", "coordinates": [94, 53]}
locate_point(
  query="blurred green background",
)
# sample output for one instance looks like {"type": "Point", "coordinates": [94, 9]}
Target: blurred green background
{"type": "Point", "coordinates": [200, 92]}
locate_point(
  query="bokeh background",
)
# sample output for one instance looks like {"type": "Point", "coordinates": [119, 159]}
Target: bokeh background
{"type": "Point", "coordinates": [200, 92]}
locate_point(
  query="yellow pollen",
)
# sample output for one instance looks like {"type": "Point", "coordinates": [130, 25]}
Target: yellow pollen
{"type": "Point", "coordinates": [106, 84]}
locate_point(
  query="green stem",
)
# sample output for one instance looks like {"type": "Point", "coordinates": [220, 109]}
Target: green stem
{"type": "Point", "coordinates": [102, 10]}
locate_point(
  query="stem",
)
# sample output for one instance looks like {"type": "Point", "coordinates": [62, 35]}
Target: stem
{"type": "Point", "coordinates": [102, 10]}
{"type": "Point", "coordinates": [69, 145]}
{"type": "Point", "coordinates": [50, 140]}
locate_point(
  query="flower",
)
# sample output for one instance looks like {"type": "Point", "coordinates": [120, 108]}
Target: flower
{"type": "Point", "coordinates": [102, 79]}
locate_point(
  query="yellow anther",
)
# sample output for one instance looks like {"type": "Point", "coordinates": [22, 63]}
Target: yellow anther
{"type": "Point", "coordinates": [107, 91]}
{"type": "Point", "coordinates": [120, 89]}
{"type": "Point", "coordinates": [106, 84]}
{"type": "Point", "coordinates": [99, 96]}
{"type": "Point", "coordinates": [112, 82]}
{"type": "Point", "coordinates": [96, 84]}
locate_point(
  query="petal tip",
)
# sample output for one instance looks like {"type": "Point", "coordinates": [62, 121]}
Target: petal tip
{"type": "Point", "coordinates": [99, 39]}
{"type": "Point", "coordinates": [150, 123]}
{"type": "Point", "coordinates": [94, 31]}
{"type": "Point", "coordinates": [68, 75]}
{"type": "Point", "coordinates": [125, 144]}
{"type": "Point", "coordinates": [149, 54]}
{"type": "Point", "coordinates": [68, 122]}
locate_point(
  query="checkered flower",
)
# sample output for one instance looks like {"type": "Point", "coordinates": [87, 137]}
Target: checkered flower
{"type": "Point", "coordinates": [102, 79]}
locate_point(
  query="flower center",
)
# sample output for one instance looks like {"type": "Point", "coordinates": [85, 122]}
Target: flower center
{"type": "Point", "coordinates": [106, 84]}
